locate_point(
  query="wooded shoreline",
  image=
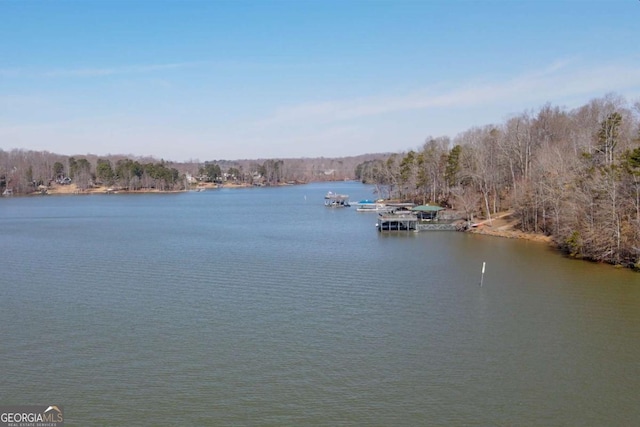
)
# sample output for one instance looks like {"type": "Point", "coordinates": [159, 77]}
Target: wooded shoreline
{"type": "Point", "coordinates": [572, 175]}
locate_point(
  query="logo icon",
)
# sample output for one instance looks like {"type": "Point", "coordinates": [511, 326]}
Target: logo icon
{"type": "Point", "coordinates": [32, 416]}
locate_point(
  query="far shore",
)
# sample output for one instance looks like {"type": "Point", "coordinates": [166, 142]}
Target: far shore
{"type": "Point", "coordinates": [58, 189]}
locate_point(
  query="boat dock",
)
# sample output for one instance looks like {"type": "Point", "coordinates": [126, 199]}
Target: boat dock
{"type": "Point", "coordinates": [397, 222]}
{"type": "Point", "coordinates": [334, 200]}
{"type": "Point", "coordinates": [409, 222]}
{"type": "Point", "coordinates": [419, 218]}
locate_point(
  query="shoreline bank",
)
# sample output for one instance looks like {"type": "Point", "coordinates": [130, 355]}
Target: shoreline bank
{"type": "Point", "coordinates": [505, 225]}
{"type": "Point", "coordinates": [72, 189]}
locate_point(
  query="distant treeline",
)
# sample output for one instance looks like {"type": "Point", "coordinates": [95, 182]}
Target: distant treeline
{"type": "Point", "coordinates": [25, 171]}
{"type": "Point", "coordinates": [573, 175]}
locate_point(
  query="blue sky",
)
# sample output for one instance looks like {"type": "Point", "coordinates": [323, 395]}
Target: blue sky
{"type": "Point", "coordinates": [207, 80]}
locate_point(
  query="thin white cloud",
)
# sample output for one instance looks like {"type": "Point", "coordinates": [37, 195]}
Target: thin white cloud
{"type": "Point", "coordinates": [376, 123]}
{"type": "Point", "coordinates": [20, 72]}
{"type": "Point", "coordinates": [559, 80]}
{"type": "Point", "coordinates": [10, 72]}
{"type": "Point", "coordinates": [12, 102]}
{"type": "Point", "coordinates": [107, 71]}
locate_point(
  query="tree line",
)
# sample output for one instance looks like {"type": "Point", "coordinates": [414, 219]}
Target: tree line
{"type": "Point", "coordinates": [25, 171]}
{"type": "Point", "coordinates": [573, 175]}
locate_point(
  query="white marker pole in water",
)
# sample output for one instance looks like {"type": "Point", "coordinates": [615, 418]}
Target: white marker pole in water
{"type": "Point", "coordinates": [482, 277]}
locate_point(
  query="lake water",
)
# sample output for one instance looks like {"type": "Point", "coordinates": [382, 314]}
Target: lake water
{"type": "Point", "coordinates": [263, 307]}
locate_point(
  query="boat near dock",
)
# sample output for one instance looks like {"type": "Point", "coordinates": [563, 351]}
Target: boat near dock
{"type": "Point", "coordinates": [334, 200]}
{"type": "Point", "coordinates": [372, 206]}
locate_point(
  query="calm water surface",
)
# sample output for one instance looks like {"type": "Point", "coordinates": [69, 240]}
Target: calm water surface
{"type": "Point", "coordinates": [263, 307]}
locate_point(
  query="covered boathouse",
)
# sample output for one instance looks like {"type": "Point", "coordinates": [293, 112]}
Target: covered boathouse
{"type": "Point", "coordinates": [418, 218]}
{"type": "Point", "coordinates": [394, 221]}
